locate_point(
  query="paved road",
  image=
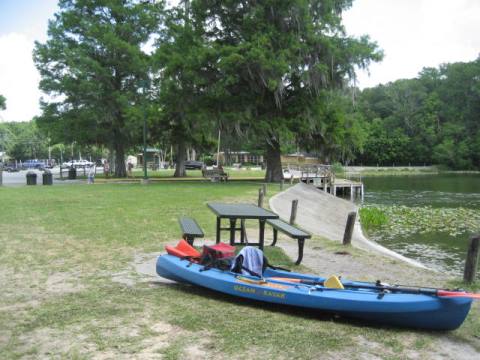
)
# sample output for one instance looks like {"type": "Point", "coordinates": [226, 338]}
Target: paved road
{"type": "Point", "coordinates": [19, 178]}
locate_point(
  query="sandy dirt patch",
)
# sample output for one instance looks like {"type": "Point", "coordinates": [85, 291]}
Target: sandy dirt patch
{"type": "Point", "coordinates": [141, 269]}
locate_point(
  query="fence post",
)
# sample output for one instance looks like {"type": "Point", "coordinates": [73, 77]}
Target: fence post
{"type": "Point", "coordinates": [472, 260]}
{"type": "Point", "coordinates": [347, 236]}
{"type": "Point", "coordinates": [264, 189]}
{"type": "Point", "coordinates": [260, 197]}
{"type": "Point", "coordinates": [293, 214]}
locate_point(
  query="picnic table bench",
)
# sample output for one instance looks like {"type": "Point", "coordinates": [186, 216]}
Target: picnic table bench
{"type": "Point", "coordinates": [291, 231]}
{"type": "Point", "coordinates": [215, 174]}
{"type": "Point", "coordinates": [190, 229]}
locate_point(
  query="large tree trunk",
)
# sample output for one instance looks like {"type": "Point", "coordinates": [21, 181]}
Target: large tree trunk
{"type": "Point", "coordinates": [120, 170]}
{"type": "Point", "coordinates": [180, 160]}
{"type": "Point", "coordinates": [274, 162]}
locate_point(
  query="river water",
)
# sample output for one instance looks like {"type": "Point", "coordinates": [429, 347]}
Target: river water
{"type": "Point", "coordinates": [431, 217]}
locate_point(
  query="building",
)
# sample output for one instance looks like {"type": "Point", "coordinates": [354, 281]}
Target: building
{"type": "Point", "coordinates": [240, 157]}
{"type": "Point", "coordinates": [153, 158]}
{"type": "Point", "coordinates": [299, 159]}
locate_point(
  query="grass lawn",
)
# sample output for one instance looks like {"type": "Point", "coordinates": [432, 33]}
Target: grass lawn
{"type": "Point", "coordinates": [243, 173]}
{"type": "Point", "coordinates": [62, 247]}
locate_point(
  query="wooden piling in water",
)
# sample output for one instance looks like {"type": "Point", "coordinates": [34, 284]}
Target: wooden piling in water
{"type": "Point", "coordinates": [293, 214]}
{"type": "Point", "coordinates": [472, 260]}
{"type": "Point", "coordinates": [260, 197]}
{"type": "Point", "coordinates": [347, 236]}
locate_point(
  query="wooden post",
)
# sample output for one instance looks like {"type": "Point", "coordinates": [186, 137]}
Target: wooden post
{"type": "Point", "coordinates": [347, 237]}
{"type": "Point", "coordinates": [281, 185]}
{"type": "Point", "coordinates": [293, 214]}
{"type": "Point", "coordinates": [260, 198]}
{"type": "Point", "coordinates": [264, 189]}
{"type": "Point", "coordinates": [472, 259]}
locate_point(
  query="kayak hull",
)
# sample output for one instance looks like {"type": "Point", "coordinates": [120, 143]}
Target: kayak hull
{"type": "Point", "coordinates": [398, 309]}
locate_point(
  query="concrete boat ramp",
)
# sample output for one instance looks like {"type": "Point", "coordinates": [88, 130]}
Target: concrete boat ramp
{"type": "Point", "coordinates": [326, 215]}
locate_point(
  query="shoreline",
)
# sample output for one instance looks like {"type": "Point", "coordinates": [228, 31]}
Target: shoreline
{"type": "Point", "coordinates": [310, 219]}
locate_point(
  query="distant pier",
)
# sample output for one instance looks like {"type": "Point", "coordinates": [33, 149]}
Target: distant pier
{"type": "Point", "coordinates": [323, 178]}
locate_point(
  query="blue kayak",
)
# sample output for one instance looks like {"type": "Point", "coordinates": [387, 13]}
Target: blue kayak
{"type": "Point", "coordinates": [360, 300]}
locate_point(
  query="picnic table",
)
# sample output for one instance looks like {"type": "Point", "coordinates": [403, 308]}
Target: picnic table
{"type": "Point", "coordinates": [234, 212]}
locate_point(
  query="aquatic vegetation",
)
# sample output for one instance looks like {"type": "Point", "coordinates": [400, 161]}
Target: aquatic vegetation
{"type": "Point", "coordinates": [372, 218]}
{"type": "Point", "coordinates": [405, 220]}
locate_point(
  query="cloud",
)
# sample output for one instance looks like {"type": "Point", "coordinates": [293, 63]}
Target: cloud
{"type": "Point", "coordinates": [18, 78]}
{"type": "Point", "coordinates": [415, 34]}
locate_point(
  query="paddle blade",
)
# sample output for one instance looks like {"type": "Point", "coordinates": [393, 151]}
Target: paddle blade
{"type": "Point", "coordinates": [458, 294]}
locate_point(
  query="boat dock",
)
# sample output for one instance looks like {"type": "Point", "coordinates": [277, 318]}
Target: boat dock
{"type": "Point", "coordinates": [323, 178]}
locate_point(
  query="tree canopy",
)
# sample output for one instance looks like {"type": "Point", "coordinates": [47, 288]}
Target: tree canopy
{"type": "Point", "coordinates": [23, 140]}
{"type": "Point", "coordinates": [276, 62]}
{"type": "Point", "coordinates": [269, 74]}
{"type": "Point", "coordinates": [430, 119]}
{"type": "Point", "coordinates": [3, 102]}
{"type": "Point", "coordinates": [92, 67]}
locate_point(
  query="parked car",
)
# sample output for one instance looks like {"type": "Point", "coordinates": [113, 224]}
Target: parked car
{"type": "Point", "coordinates": [11, 168]}
{"type": "Point", "coordinates": [192, 165]}
{"type": "Point", "coordinates": [77, 163]}
{"type": "Point", "coordinates": [33, 164]}
{"type": "Point", "coordinates": [287, 175]}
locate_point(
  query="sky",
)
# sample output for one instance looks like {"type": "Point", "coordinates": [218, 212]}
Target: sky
{"type": "Point", "coordinates": [412, 33]}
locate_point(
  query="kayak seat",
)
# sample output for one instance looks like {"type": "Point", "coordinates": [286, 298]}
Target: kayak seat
{"type": "Point", "coordinates": [182, 250]}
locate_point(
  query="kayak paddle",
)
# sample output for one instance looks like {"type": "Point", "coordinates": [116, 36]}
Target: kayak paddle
{"type": "Point", "coordinates": [404, 289]}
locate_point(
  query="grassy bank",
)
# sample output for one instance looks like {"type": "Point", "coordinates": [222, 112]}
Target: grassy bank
{"type": "Point", "coordinates": [389, 170]}
{"type": "Point", "coordinates": [70, 288]}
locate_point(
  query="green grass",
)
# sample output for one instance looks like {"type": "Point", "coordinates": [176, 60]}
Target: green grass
{"type": "Point", "coordinates": [372, 218]}
{"type": "Point", "coordinates": [243, 173]}
{"type": "Point", "coordinates": [62, 246]}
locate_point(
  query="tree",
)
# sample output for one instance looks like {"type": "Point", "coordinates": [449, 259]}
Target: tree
{"type": "Point", "coordinates": [3, 102]}
{"type": "Point", "coordinates": [433, 118]}
{"type": "Point", "coordinates": [275, 58]}
{"type": "Point", "coordinates": [92, 67]}
{"type": "Point", "coordinates": [23, 140]}
{"type": "Point", "coordinates": [182, 59]}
